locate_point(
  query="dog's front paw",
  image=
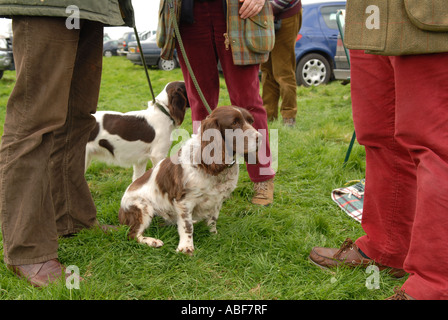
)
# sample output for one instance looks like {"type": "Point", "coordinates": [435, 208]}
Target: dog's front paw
{"type": "Point", "coordinates": [213, 229]}
{"type": "Point", "coordinates": [152, 242]}
{"type": "Point", "coordinates": [187, 250]}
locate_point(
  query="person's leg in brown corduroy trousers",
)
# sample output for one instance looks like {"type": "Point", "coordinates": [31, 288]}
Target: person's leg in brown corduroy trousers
{"type": "Point", "coordinates": [278, 73]}
{"type": "Point", "coordinates": [48, 121]}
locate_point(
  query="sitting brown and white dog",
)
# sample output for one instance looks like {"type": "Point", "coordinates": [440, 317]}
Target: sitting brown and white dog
{"type": "Point", "coordinates": [133, 138]}
{"type": "Point", "coordinates": [192, 185]}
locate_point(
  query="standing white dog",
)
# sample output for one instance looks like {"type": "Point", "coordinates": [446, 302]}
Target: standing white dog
{"type": "Point", "coordinates": [133, 138]}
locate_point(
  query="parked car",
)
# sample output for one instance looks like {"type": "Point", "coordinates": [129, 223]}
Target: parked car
{"type": "Point", "coordinates": [316, 45]}
{"type": "Point", "coordinates": [151, 52]}
{"type": "Point", "coordinates": [110, 48]}
{"type": "Point", "coordinates": [6, 56]}
{"type": "Point", "coordinates": [123, 42]}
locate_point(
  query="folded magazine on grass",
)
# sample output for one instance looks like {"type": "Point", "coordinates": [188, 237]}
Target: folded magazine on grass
{"type": "Point", "coordinates": [350, 198]}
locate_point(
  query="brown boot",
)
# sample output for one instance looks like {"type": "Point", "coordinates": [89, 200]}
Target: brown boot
{"type": "Point", "coordinates": [40, 274]}
{"type": "Point", "coordinates": [263, 192]}
{"type": "Point", "coordinates": [348, 255]}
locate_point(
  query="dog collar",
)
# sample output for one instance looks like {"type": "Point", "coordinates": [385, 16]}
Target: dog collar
{"type": "Point", "coordinates": [164, 111]}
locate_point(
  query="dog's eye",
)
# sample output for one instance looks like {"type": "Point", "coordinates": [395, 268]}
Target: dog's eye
{"type": "Point", "coordinates": [235, 122]}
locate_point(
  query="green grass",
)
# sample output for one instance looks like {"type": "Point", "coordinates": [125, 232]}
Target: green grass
{"type": "Point", "coordinates": [258, 253]}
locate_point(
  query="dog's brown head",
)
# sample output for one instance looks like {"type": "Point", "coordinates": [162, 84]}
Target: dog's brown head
{"type": "Point", "coordinates": [225, 133]}
{"type": "Point", "coordinates": [177, 101]}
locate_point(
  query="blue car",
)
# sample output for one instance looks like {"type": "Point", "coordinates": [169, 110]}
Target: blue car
{"type": "Point", "coordinates": [316, 45]}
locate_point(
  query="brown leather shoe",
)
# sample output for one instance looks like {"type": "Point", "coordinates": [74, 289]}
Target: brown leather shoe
{"type": "Point", "coordinates": [348, 255]}
{"type": "Point", "coordinates": [400, 295]}
{"type": "Point", "coordinates": [40, 274]}
{"type": "Point", "coordinates": [263, 192]}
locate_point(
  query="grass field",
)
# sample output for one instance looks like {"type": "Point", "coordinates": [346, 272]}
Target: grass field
{"type": "Point", "coordinates": [258, 253]}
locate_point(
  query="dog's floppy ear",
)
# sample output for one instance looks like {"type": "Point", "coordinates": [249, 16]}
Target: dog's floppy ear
{"type": "Point", "coordinates": [247, 115]}
{"type": "Point", "coordinates": [177, 102]}
{"type": "Point", "coordinates": [212, 147]}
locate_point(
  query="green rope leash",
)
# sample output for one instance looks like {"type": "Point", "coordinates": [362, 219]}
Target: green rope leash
{"type": "Point", "coordinates": [184, 54]}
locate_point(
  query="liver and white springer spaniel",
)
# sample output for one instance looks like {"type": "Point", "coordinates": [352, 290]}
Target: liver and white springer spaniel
{"type": "Point", "coordinates": [192, 185]}
{"type": "Point", "coordinates": [133, 138]}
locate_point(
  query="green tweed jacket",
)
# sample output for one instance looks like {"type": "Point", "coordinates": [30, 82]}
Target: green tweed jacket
{"type": "Point", "coordinates": [397, 27]}
{"type": "Point", "coordinates": [250, 39]}
{"type": "Point", "coordinates": [109, 12]}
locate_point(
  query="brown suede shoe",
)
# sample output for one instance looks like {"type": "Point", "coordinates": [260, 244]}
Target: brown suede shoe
{"type": "Point", "coordinates": [348, 255]}
{"type": "Point", "coordinates": [40, 274]}
{"type": "Point", "coordinates": [263, 192]}
{"type": "Point", "coordinates": [400, 295]}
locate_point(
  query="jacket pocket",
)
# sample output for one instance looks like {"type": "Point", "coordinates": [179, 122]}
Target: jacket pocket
{"type": "Point", "coordinates": [259, 31]}
{"type": "Point", "coordinates": [428, 15]}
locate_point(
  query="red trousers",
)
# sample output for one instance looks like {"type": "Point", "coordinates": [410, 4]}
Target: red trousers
{"type": "Point", "coordinates": [204, 44]}
{"type": "Point", "coordinates": [400, 111]}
